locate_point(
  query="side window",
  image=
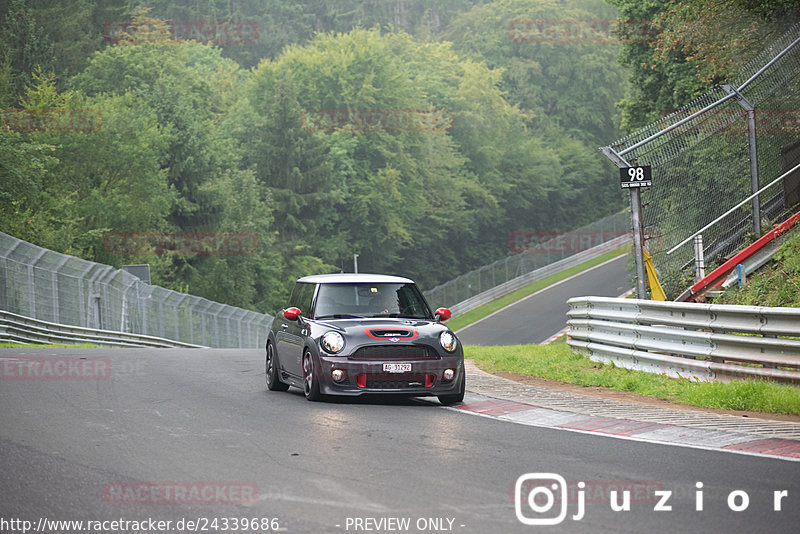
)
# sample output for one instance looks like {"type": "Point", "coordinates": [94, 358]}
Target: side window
{"type": "Point", "coordinates": [306, 298]}
{"type": "Point", "coordinates": [302, 295]}
{"type": "Point", "coordinates": [412, 302]}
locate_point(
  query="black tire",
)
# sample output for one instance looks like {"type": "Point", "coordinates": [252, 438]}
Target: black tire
{"type": "Point", "coordinates": [310, 379]}
{"type": "Point", "coordinates": [270, 366]}
{"type": "Point", "coordinates": [449, 400]}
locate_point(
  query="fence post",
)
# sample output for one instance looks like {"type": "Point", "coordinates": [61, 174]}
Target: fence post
{"type": "Point", "coordinates": [124, 315]}
{"type": "Point", "coordinates": [750, 111]}
{"type": "Point", "coordinates": [56, 296]}
{"type": "Point", "coordinates": [699, 260]}
{"type": "Point", "coordinates": [32, 282]}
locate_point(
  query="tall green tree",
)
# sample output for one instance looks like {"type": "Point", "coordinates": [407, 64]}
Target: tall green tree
{"type": "Point", "coordinates": [184, 85]}
{"type": "Point", "coordinates": [293, 167]}
{"type": "Point", "coordinates": [693, 45]}
{"type": "Point", "coordinates": [280, 23]}
{"type": "Point", "coordinates": [383, 177]}
{"type": "Point", "coordinates": [565, 88]}
{"type": "Point", "coordinates": [24, 46]}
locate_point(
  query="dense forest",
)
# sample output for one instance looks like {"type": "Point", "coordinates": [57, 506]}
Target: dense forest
{"type": "Point", "coordinates": [416, 134]}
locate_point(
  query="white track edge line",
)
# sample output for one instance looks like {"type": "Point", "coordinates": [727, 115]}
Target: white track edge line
{"type": "Point", "coordinates": [540, 291]}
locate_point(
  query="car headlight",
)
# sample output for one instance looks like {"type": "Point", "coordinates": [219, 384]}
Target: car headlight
{"type": "Point", "coordinates": [448, 341]}
{"type": "Point", "coordinates": [332, 342]}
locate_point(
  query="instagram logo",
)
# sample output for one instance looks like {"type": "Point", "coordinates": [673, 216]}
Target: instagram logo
{"type": "Point", "coordinates": [538, 495]}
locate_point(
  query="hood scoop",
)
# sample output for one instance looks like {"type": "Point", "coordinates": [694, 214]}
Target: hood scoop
{"type": "Point", "coordinates": [389, 333]}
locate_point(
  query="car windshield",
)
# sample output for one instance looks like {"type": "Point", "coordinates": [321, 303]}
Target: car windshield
{"type": "Point", "coordinates": [343, 301]}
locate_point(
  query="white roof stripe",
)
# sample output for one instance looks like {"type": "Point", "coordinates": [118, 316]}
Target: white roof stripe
{"type": "Point", "coordinates": [353, 278]}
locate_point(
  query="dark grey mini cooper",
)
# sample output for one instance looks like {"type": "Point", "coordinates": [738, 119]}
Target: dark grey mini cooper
{"type": "Point", "coordinates": [350, 334]}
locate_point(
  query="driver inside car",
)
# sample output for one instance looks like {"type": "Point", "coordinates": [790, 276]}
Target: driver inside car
{"type": "Point", "coordinates": [385, 303]}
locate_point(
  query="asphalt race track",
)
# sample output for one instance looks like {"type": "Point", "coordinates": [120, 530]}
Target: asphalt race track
{"type": "Point", "coordinates": [539, 316]}
{"type": "Point", "coordinates": [104, 446]}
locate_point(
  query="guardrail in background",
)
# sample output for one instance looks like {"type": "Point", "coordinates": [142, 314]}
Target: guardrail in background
{"type": "Point", "coordinates": [680, 339]}
{"type": "Point", "coordinates": [456, 292]}
{"type": "Point", "coordinates": [41, 284]}
{"type": "Point", "coordinates": [553, 268]}
{"type": "Point", "coordinates": [19, 329]}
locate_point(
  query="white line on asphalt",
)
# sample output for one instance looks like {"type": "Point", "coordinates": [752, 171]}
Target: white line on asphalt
{"type": "Point", "coordinates": [555, 336]}
{"type": "Point", "coordinates": [540, 291]}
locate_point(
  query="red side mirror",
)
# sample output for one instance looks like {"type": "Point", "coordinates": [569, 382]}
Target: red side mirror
{"type": "Point", "coordinates": [444, 314]}
{"type": "Point", "coordinates": [292, 313]}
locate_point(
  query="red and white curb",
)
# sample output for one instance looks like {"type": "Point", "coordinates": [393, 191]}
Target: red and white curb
{"type": "Point", "coordinates": [555, 336]}
{"type": "Point", "coordinates": [734, 442]}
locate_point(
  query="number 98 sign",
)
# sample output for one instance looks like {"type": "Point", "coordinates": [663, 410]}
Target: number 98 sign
{"type": "Point", "coordinates": [636, 177]}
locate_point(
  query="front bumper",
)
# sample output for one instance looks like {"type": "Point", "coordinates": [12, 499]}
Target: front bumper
{"type": "Point", "coordinates": [426, 378]}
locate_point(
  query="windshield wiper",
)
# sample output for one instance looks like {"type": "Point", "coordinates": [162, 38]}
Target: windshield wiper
{"type": "Point", "coordinates": [340, 316]}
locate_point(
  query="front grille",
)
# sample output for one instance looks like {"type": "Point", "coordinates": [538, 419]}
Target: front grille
{"type": "Point", "coordinates": [395, 352]}
{"type": "Point", "coordinates": [389, 382]}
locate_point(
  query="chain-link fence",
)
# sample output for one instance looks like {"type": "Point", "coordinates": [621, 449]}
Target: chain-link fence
{"type": "Point", "coordinates": [539, 250]}
{"type": "Point", "coordinates": [49, 286]}
{"type": "Point", "coordinates": [712, 154]}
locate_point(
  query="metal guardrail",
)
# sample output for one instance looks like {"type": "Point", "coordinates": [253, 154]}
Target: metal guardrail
{"type": "Point", "coordinates": [707, 342]}
{"type": "Point", "coordinates": [20, 329]}
{"type": "Point", "coordinates": [543, 272]}
{"type": "Point", "coordinates": [536, 253]}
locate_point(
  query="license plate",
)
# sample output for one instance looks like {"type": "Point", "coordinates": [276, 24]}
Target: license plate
{"type": "Point", "coordinates": [397, 367]}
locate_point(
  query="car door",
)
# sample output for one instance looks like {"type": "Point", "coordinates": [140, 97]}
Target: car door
{"type": "Point", "coordinates": [290, 336]}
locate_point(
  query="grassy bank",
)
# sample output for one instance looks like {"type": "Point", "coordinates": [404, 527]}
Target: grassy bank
{"type": "Point", "coordinates": [556, 361]}
{"type": "Point", "coordinates": [775, 284]}
{"type": "Point", "coordinates": [478, 313]}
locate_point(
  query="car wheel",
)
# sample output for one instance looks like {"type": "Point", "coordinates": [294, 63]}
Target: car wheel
{"type": "Point", "coordinates": [448, 400]}
{"type": "Point", "coordinates": [310, 379]}
{"type": "Point", "coordinates": [271, 365]}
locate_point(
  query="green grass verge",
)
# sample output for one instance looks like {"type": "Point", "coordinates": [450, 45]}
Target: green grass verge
{"type": "Point", "coordinates": [471, 316]}
{"type": "Point", "coordinates": [558, 362]}
{"type": "Point", "coordinates": [53, 346]}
